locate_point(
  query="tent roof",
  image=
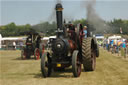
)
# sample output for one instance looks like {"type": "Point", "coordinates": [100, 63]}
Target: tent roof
{"type": "Point", "coordinates": [14, 38]}
{"type": "Point", "coordinates": [114, 37]}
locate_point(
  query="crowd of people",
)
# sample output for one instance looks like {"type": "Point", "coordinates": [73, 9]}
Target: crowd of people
{"type": "Point", "coordinates": [119, 46]}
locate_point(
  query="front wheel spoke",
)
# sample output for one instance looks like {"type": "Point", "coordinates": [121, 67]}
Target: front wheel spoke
{"type": "Point", "coordinates": [79, 69]}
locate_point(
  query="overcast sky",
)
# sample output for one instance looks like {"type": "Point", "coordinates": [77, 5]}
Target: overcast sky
{"type": "Point", "coordinates": [36, 11]}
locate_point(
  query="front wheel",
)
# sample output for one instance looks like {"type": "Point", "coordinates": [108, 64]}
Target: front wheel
{"type": "Point", "coordinates": [76, 64]}
{"type": "Point", "coordinates": [46, 67]}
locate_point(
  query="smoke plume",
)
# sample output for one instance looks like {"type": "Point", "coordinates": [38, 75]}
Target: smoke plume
{"type": "Point", "coordinates": [93, 18]}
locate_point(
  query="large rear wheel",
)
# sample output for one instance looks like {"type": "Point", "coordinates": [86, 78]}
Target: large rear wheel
{"type": "Point", "coordinates": [46, 67]}
{"type": "Point", "coordinates": [88, 54]}
{"type": "Point", "coordinates": [76, 64]}
{"type": "Point", "coordinates": [97, 50]}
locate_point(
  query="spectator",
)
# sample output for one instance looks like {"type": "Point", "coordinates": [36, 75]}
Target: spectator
{"type": "Point", "coordinates": [107, 44]}
{"type": "Point", "coordinates": [126, 47]}
{"type": "Point", "coordinates": [123, 49]}
{"type": "Point", "coordinates": [21, 44]}
{"type": "Point", "coordinates": [115, 46]}
{"type": "Point", "coordinates": [117, 49]}
{"type": "Point", "coordinates": [111, 45]}
{"type": "Point", "coordinates": [14, 45]}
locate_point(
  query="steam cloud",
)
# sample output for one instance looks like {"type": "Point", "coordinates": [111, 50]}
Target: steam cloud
{"type": "Point", "coordinates": [59, 1]}
{"type": "Point", "coordinates": [52, 17]}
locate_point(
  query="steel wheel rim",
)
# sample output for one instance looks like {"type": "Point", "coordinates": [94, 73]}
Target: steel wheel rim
{"type": "Point", "coordinates": [93, 59]}
{"type": "Point", "coordinates": [78, 66]}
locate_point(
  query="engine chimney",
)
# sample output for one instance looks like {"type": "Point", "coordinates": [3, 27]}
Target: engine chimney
{"type": "Point", "coordinates": [59, 18]}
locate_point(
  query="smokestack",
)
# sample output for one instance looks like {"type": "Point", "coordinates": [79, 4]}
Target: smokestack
{"type": "Point", "coordinates": [59, 18]}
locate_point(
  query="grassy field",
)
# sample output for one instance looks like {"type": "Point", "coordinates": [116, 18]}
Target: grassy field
{"type": "Point", "coordinates": [110, 70]}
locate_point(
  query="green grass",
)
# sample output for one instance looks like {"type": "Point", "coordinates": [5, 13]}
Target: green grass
{"type": "Point", "coordinates": [110, 70]}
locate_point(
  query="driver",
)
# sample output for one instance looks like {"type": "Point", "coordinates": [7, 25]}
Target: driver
{"type": "Point", "coordinates": [71, 31]}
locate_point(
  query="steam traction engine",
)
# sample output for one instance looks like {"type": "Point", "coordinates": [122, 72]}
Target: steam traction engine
{"type": "Point", "coordinates": [32, 47]}
{"type": "Point", "coordinates": [68, 51]}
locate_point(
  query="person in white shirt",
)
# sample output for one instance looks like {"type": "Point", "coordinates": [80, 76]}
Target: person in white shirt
{"type": "Point", "coordinates": [14, 45]}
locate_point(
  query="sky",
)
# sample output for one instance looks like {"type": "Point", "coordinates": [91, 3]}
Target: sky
{"type": "Point", "coordinates": [36, 11]}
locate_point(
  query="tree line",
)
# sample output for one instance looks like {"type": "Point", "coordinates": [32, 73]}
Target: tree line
{"type": "Point", "coordinates": [48, 29]}
{"type": "Point", "coordinates": [12, 29]}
